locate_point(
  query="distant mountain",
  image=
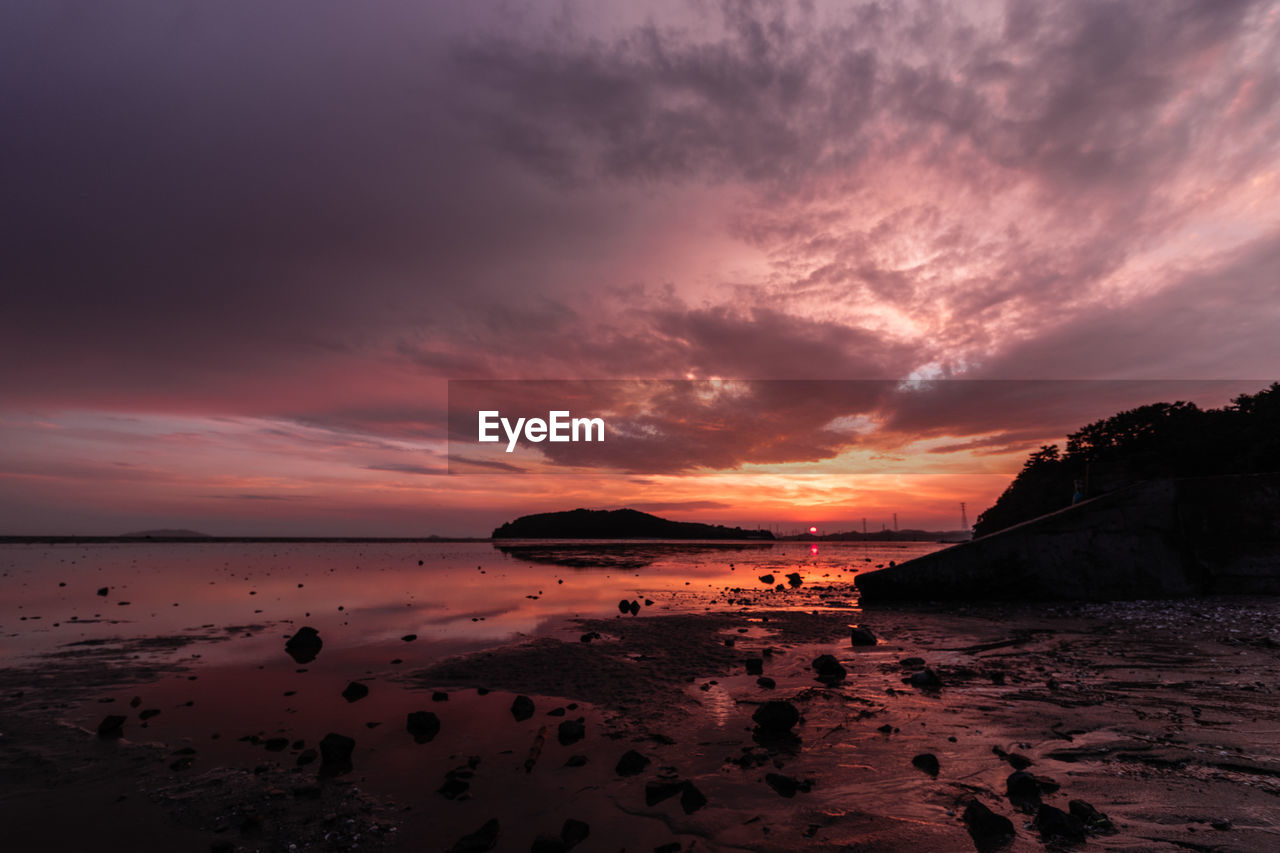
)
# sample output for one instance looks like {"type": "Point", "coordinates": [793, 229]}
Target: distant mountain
{"type": "Point", "coordinates": [166, 533]}
{"type": "Point", "coordinates": [616, 524]}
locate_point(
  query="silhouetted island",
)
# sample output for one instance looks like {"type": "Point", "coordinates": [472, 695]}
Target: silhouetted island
{"type": "Point", "coordinates": [616, 524]}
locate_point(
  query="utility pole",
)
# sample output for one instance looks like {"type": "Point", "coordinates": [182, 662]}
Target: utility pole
{"type": "Point", "coordinates": [964, 517]}
{"type": "Point", "coordinates": [895, 522]}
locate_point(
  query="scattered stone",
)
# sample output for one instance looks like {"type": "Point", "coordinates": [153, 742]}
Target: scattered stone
{"type": "Point", "coordinates": [571, 731]}
{"type": "Point", "coordinates": [574, 832]}
{"type": "Point", "coordinates": [307, 756]}
{"type": "Point", "coordinates": [276, 744]}
{"type": "Point", "coordinates": [767, 579]}
{"type": "Point", "coordinates": [1093, 820]}
{"type": "Point", "coordinates": [112, 726]}
{"type": "Point", "coordinates": [925, 679]}
{"type": "Point", "coordinates": [104, 590]}
{"type": "Point", "coordinates": [861, 636]}
{"type": "Point", "coordinates": [755, 666]}
{"type": "Point", "coordinates": [829, 670]}
{"type": "Point", "coordinates": [766, 682]}
{"type": "Point", "coordinates": [304, 645]}
{"type": "Point", "coordinates": [355, 691]}
{"type": "Point", "coordinates": [439, 696]}
{"type": "Point", "coordinates": [335, 754]}
{"type": "Point", "coordinates": [631, 763]}
{"type": "Point", "coordinates": [911, 663]}
{"type": "Point", "coordinates": [576, 761]}
{"type": "Point", "coordinates": [633, 607]}
{"type": "Point", "coordinates": [794, 579]}
{"type": "Point", "coordinates": [927, 762]}
{"type": "Point", "coordinates": [987, 829]}
{"type": "Point", "coordinates": [657, 791]}
{"type": "Point", "coordinates": [456, 784]}
{"type": "Point", "coordinates": [787, 786]}
{"type": "Point", "coordinates": [589, 636]}
{"type": "Point", "coordinates": [423, 725]}
{"type": "Point", "coordinates": [691, 799]}
{"type": "Point", "coordinates": [624, 607]}
{"type": "Point", "coordinates": [409, 638]}
{"type": "Point", "coordinates": [148, 713]}
{"type": "Point", "coordinates": [776, 716]}
{"type": "Point", "coordinates": [1024, 788]}
{"type": "Point", "coordinates": [1055, 823]}
{"type": "Point", "coordinates": [482, 840]}
{"type": "Point", "coordinates": [522, 708]}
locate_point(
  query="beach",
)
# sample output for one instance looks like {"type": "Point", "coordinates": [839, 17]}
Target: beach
{"type": "Point", "coordinates": [504, 701]}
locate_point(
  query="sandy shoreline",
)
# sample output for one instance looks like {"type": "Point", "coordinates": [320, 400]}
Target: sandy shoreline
{"type": "Point", "coordinates": [1159, 714]}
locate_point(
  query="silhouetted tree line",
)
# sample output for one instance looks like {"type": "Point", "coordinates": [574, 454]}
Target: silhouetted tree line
{"type": "Point", "coordinates": [1149, 442]}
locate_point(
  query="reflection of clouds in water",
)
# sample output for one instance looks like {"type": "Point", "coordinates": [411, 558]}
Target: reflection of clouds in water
{"type": "Point", "coordinates": [717, 701]}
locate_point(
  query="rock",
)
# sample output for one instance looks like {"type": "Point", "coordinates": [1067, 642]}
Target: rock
{"type": "Point", "coordinates": [631, 763]}
{"type": "Point", "coordinates": [307, 756]}
{"type": "Point", "coordinates": [987, 829]}
{"type": "Point", "coordinates": [1055, 823]}
{"type": "Point", "coordinates": [691, 799]}
{"type": "Point", "coordinates": [148, 713]}
{"type": "Point", "coordinates": [787, 786]}
{"type": "Point", "coordinates": [776, 716]}
{"type": "Point", "coordinates": [794, 579]}
{"type": "Point", "coordinates": [548, 844]}
{"type": "Point", "coordinates": [455, 784]}
{"type": "Point", "coordinates": [355, 691]}
{"type": "Point", "coordinates": [624, 607]}
{"type": "Point", "coordinates": [767, 579]}
{"type": "Point", "coordinates": [766, 682]}
{"type": "Point", "coordinates": [423, 725]}
{"type": "Point", "coordinates": [482, 840]}
{"type": "Point", "coordinates": [276, 744]}
{"type": "Point", "coordinates": [571, 731]}
{"type": "Point", "coordinates": [755, 666]}
{"type": "Point", "coordinates": [634, 607]}
{"type": "Point", "coordinates": [574, 832]}
{"type": "Point", "coordinates": [911, 663]}
{"type": "Point", "coordinates": [104, 590]}
{"type": "Point", "coordinates": [656, 792]}
{"type": "Point", "coordinates": [1093, 820]}
{"type": "Point", "coordinates": [409, 638]}
{"type": "Point", "coordinates": [112, 726]}
{"type": "Point", "coordinates": [829, 670]}
{"type": "Point", "coordinates": [673, 847]}
{"type": "Point", "coordinates": [589, 636]}
{"type": "Point", "coordinates": [304, 645]}
{"type": "Point", "coordinates": [925, 679]}
{"type": "Point", "coordinates": [1024, 788]}
{"type": "Point", "coordinates": [439, 696]}
{"type": "Point", "coordinates": [335, 754]}
{"type": "Point", "coordinates": [576, 761]}
{"type": "Point", "coordinates": [861, 636]}
{"type": "Point", "coordinates": [522, 708]}
{"type": "Point", "coordinates": [927, 762]}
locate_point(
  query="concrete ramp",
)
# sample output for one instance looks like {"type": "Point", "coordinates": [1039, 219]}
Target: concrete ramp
{"type": "Point", "coordinates": [1158, 539]}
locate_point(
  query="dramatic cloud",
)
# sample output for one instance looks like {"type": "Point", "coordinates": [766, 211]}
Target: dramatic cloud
{"type": "Point", "coordinates": [303, 219]}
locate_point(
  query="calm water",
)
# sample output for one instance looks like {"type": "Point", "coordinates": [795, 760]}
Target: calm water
{"type": "Point", "coordinates": [462, 596]}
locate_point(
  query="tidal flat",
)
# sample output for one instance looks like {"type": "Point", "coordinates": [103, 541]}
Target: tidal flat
{"type": "Point", "coordinates": [510, 699]}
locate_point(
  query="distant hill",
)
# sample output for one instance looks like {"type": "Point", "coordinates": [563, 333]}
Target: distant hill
{"type": "Point", "coordinates": [616, 524]}
{"type": "Point", "coordinates": [165, 533]}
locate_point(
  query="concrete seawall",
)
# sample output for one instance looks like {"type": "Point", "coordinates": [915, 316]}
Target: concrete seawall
{"type": "Point", "coordinates": [1158, 539]}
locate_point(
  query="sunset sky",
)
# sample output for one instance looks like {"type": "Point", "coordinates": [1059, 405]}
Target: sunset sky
{"type": "Point", "coordinates": [247, 245]}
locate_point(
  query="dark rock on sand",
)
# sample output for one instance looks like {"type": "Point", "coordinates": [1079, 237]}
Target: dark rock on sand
{"type": "Point", "coordinates": [482, 840]}
{"type": "Point", "coordinates": [691, 799]}
{"type": "Point", "coordinates": [409, 638]}
{"type": "Point", "coordinates": [439, 696]}
{"type": "Point", "coordinates": [335, 754]}
{"type": "Point", "coordinates": [1093, 820]}
{"type": "Point", "coordinates": [1055, 823]}
{"type": "Point", "coordinates": [656, 792]}
{"type": "Point", "coordinates": [766, 682]}
{"type": "Point", "coordinates": [794, 579]}
{"type": "Point", "coordinates": [624, 607]}
{"type": "Point", "coordinates": [787, 786]}
{"type": "Point", "coordinates": [861, 636]}
{"type": "Point", "coordinates": [589, 636]}
{"type": "Point", "coordinates": [574, 832]}
{"type": "Point", "coordinates": [571, 731]}
{"type": "Point", "coordinates": [355, 691]}
{"type": "Point", "coordinates": [1025, 788]}
{"type": "Point", "coordinates": [925, 679]}
{"type": "Point", "coordinates": [276, 744]}
{"type": "Point", "coordinates": [776, 717]}
{"type": "Point", "coordinates": [111, 726]}
{"type": "Point", "coordinates": [911, 663]}
{"type": "Point", "coordinates": [423, 725]}
{"type": "Point", "coordinates": [104, 590]}
{"type": "Point", "coordinates": [631, 763]}
{"type": "Point", "coordinates": [767, 579]}
{"type": "Point", "coordinates": [755, 666]}
{"type": "Point", "coordinates": [633, 608]}
{"type": "Point", "coordinates": [988, 830]}
{"type": "Point", "coordinates": [307, 756]}
{"type": "Point", "coordinates": [576, 761]}
{"type": "Point", "coordinates": [522, 708]}
{"type": "Point", "coordinates": [829, 670]}
{"type": "Point", "coordinates": [927, 762]}
{"type": "Point", "coordinates": [304, 645]}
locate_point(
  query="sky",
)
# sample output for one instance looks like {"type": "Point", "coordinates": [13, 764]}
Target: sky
{"type": "Point", "coordinates": [247, 247]}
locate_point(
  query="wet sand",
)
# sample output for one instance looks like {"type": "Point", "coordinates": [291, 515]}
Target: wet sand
{"type": "Point", "coordinates": [1161, 715]}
